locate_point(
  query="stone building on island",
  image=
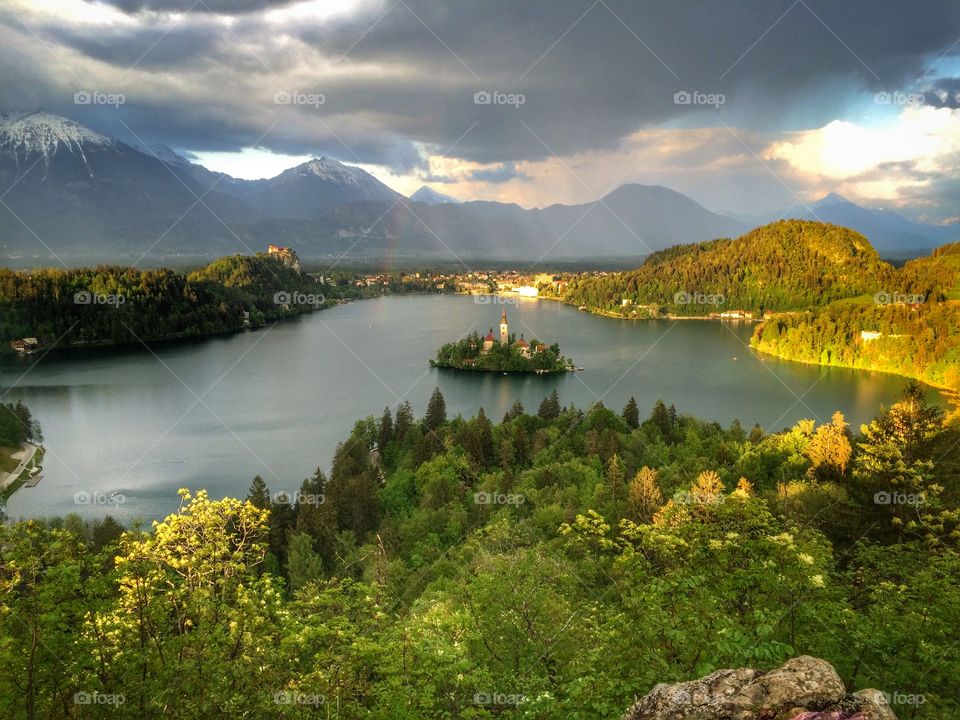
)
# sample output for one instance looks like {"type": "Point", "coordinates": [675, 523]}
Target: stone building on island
{"type": "Point", "coordinates": [522, 345]}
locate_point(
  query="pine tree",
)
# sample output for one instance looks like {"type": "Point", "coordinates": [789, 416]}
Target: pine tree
{"type": "Point", "coordinates": [483, 455]}
{"type": "Point", "coordinates": [303, 562]}
{"type": "Point", "coordinates": [404, 421]}
{"type": "Point", "coordinates": [644, 497]}
{"type": "Point", "coordinates": [259, 493]}
{"type": "Point", "coordinates": [829, 450]}
{"type": "Point", "coordinates": [317, 517]}
{"type": "Point", "coordinates": [660, 417]}
{"type": "Point", "coordinates": [436, 411]}
{"type": "Point", "coordinates": [384, 429]}
{"type": "Point", "coordinates": [614, 487]}
{"type": "Point", "coordinates": [517, 410]}
{"type": "Point", "coordinates": [550, 407]}
{"type": "Point", "coordinates": [352, 488]}
{"type": "Point", "coordinates": [631, 414]}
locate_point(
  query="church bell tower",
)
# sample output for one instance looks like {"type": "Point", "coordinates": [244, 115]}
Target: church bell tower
{"type": "Point", "coordinates": [504, 330]}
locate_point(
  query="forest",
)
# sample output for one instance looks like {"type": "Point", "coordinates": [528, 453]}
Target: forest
{"type": "Point", "coordinates": [786, 265]}
{"type": "Point", "coordinates": [122, 305]}
{"type": "Point", "coordinates": [126, 305]}
{"type": "Point", "coordinates": [921, 341]}
{"type": "Point", "coordinates": [554, 564]}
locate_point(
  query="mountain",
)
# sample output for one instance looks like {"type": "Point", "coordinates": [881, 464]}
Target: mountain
{"type": "Point", "coordinates": [79, 197]}
{"type": "Point", "coordinates": [80, 194]}
{"type": "Point", "coordinates": [430, 196]}
{"type": "Point", "coordinates": [788, 264]}
{"type": "Point", "coordinates": [309, 190]}
{"type": "Point", "coordinates": [889, 232]}
{"type": "Point", "coordinates": [630, 222]}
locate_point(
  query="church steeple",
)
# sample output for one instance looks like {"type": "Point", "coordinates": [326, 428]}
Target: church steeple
{"type": "Point", "coordinates": [504, 328]}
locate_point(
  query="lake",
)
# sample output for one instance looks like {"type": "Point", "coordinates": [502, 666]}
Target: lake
{"type": "Point", "coordinates": [126, 427]}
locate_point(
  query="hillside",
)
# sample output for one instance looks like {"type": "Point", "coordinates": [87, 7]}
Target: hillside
{"type": "Point", "coordinates": [790, 264]}
{"type": "Point", "coordinates": [920, 341]}
{"type": "Point", "coordinates": [116, 305]}
{"type": "Point", "coordinates": [936, 276]}
{"type": "Point", "coordinates": [890, 233]}
{"type": "Point", "coordinates": [557, 565]}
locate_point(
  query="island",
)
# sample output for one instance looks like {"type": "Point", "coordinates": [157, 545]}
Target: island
{"type": "Point", "coordinates": [505, 354]}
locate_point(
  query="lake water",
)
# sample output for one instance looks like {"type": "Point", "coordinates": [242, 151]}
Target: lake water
{"type": "Point", "coordinates": [275, 402]}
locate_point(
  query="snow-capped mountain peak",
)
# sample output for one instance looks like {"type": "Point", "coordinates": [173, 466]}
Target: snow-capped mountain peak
{"type": "Point", "coordinates": [44, 133]}
{"type": "Point", "coordinates": [329, 170]}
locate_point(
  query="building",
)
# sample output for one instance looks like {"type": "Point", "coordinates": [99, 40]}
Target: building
{"type": "Point", "coordinates": [523, 346]}
{"type": "Point", "coordinates": [737, 315]}
{"type": "Point", "coordinates": [286, 255]}
{"type": "Point", "coordinates": [488, 342]}
{"type": "Point", "coordinates": [504, 328]}
{"type": "Point", "coordinates": [25, 345]}
{"type": "Point", "coordinates": [868, 335]}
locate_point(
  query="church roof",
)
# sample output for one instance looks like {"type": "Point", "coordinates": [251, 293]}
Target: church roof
{"type": "Point", "coordinates": [522, 343]}
{"type": "Point", "coordinates": [490, 335]}
{"type": "Point", "coordinates": [503, 317]}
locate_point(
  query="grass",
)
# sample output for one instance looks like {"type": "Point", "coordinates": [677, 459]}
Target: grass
{"type": "Point", "coordinates": [8, 463]}
{"type": "Point", "coordinates": [12, 488]}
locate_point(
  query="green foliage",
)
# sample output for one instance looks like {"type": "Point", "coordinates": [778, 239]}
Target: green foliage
{"type": "Point", "coordinates": [468, 354]}
{"type": "Point", "coordinates": [554, 566]}
{"type": "Point", "coordinates": [112, 304]}
{"type": "Point", "coordinates": [785, 265]}
{"type": "Point", "coordinates": [17, 425]}
{"type": "Point", "coordinates": [921, 341]}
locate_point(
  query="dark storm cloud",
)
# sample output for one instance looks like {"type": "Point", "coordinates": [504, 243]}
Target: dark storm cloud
{"type": "Point", "coordinates": [945, 92]}
{"type": "Point", "coordinates": [499, 174]}
{"type": "Point", "coordinates": [400, 76]}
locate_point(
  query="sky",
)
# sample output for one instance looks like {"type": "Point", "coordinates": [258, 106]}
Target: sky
{"type": "Point", "coordinates": [748, 106]}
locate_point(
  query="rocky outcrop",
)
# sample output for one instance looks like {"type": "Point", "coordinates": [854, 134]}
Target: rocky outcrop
{"type": "Point", "coordinates": [804, 688]}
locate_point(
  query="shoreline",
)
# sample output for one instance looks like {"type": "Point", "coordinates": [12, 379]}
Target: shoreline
{"type": "Point", "coordinates": [613, 315]}
{"type": "Point", "coordinates": [951, 394]}
{"type": "Point", "coordinates": [6, 352]}
{"type": "Point", "coordinates": [501, 372]}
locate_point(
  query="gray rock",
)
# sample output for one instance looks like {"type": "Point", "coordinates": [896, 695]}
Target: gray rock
{"type": "Point", "coordinates": [802, 687]}
{"type": "Point", "coordinates": [874, 705]}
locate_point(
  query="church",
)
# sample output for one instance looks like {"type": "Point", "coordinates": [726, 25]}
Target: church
{"type": "Point", "coordinates": [522, 345]}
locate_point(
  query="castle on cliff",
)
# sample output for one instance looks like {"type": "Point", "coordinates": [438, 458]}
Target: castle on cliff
{"type": "Point", "coordinates": [284, 254]}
